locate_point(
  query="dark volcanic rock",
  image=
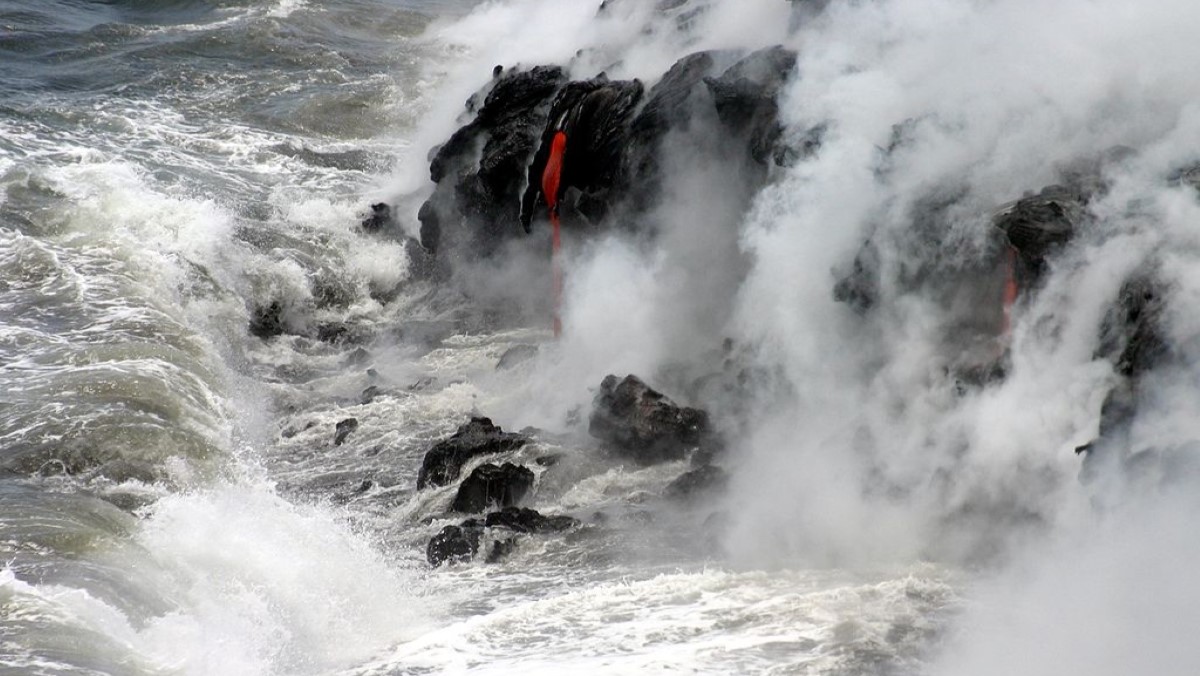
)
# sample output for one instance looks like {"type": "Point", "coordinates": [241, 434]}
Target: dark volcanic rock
{"type": "Point", "coordinates": [343, 430]}
{"type": "Point", "coordinates": [454, 544]}
{"type": "Point", "coordinates": [421, 262]}
{"type": "Point", "coordinates": [380, 218]}
{"type": "Point", "coordinates": [694, 484]}
{"type": "Point", "coordinates": [1037, 226]}
{"type": "Point", "coordinates": [368, 395]}
{"type": "Point", "coordinates": [746, 95]}
{"type": "Point", "coordinates": [1132, 332]}
{"type": "Point", "coordinates": [478, 437]}
{"type": "Point", "coordinates": [501, 549]}
{"type": "Point", "coordinates": [670, 104]}
{"type": "Point", "coordinates": [644, 425]}
{"type": "Point", "coordinates": [1132, 338]}
{"type": "Point", "coordinates": [479, 171]}
{"type": "Point", "coordinates": [267, 321]}
{"type": "Point", "coordinates": [524, 520]}
{"type": "Point", "coordinates": [492, 486]}
{"type": "Point", "coordinates": [860, 288]}
{"type": "Point", "coordinates": [515, 355]}
{"type": "Point", "coordinates": [595, 116]}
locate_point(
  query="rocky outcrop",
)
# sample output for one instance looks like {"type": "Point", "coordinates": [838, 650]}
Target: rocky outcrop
{"type": "Point", "coordinates": [642, 424]}
{"type": "Point", "coordinates": [488, 173]}
{"type": "Point", "coordinates": [1039, 225]}
{"type": "Point", "coordinates": [522, 520]}
{"type": "Point", "coordinates": [457, 544]}
{"type": "Point", "coordinates": [1132, 338]}
{"type": "Point", "coordinates": [343, 430]}
{"type": "Point", "coordinates": [379, 218]}
{"type": "Point", "coordinates": [697, 483]}
{"type": "Point", "coordinates": [595, 116]}
{"type": "Point", "coordinates": [517, 354]}
{"type": "Point", "coordinates": [746, 98]}
{"type": "Point", "coordinates": [492, 486]}
{"type": "Point", "coordinates": [480, 170]}
{"type": "Point", "coordinates": [454, 544]}
{"type": "Point", "coordinates": [479, 437]}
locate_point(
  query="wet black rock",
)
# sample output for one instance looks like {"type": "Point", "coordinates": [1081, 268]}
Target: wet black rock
{"type": "Point", "coordinates": [746, 96]}
{"type": "Point", "coordinates": [670, 104]}
{"type": "Point", "coordinates": [380, 218]}
{"type": "Point", "coordinates": [697, 483]}
{"type": "Point", "coordinates": [492, 486]}
{"type": "Point", "coordinates": [523, 520]}
{"type": "Point", "coordinates": [343, 430]}
{"type": "Point", "coordinates": [455, 544]}
{"type": "Point", "coordinates": [479, 171]}
{"type": "Point", "coordinates": [642, 424]}
{"type": "Point", "coordinates": [478, 437]}
{"type": "Point", "coordinates": [1132, 338]}
{"type": "Point", "coordinates": [368, 395]}
{"type": "Point", "coordinates": [1041, 224]}
{"type": "Point", "coordinates": [516, 354]}
{"type": "Point", "coordinates": [1131, 334]}
{"type": "Point", "coordinates": [860, 288]}
{"type": "Point", "coordinates": [267, 321]}
{"type": "Point", "coordinates": [501, 549]}
{"type": "Point", "coordinates": [595, 115]}
{"type": "Point", "coordinates": [340, 333]}
{"type": "Point", "coordinates": [422, 264]}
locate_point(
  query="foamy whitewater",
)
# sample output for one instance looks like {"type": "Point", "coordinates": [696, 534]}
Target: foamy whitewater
{"type": "Point", "coordinates": [171, 497]}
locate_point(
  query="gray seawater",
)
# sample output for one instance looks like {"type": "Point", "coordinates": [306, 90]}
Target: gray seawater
{"type": "Point", "coordinates": [171, 497]}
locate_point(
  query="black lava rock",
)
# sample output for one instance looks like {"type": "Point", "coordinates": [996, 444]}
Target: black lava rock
{"type": "Point", "coordinates": [444, 461]}
{"type": "Point", "coordinates": [501, 549]}
{"type": "Point", "coordinates": [746, 95]}
{"type": "Point", "coordinates": [515, 355]}
{"type": "Point", "coordinates": [267, 321]}
{"type": "Point", "coordinates": [453, 544]}
{"type": "Point", "coordinates": [523, 520]}
{"type": "Point", "coordinates": [479, 171]}
{"type": "Point", "coordinates": [595, 115]}
{"type": "Point", "coordinates": [343, 430]}
{"type": "Point", "coordinates": [643, 424]}
{"type": "Point", "coordinates": [694, 484]}
{"type": "Point", "coordinates": [1039, 225]}
{"type": "Point", "coordinates": [492, 486]}
{"type": "Point", "coordinates": [380, 218]}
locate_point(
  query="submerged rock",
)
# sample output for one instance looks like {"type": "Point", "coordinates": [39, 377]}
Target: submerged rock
{"type": "Point", "coordinates": [454, 544]}
{"type": "Point", "coordinates": [523, 520]}
{"type": "Point", "coordinates": [1041, 224]}
{"type": "Point", "coordinates": [696, 483]}
{"type": "Point", "coordinates": [343, 430]}
{"type": "Point", "coordinates": [516, 354]}
{"type": "Point", "coordinates": [266, 321]}
{"type": "Point", "coordinates": [492, 486]}
{"type": "Point", "coordinates": [380, 218]}
{"type": "Point", "coordinates": [443, 462]}
{"type": "Point", "coordinates": [463, 542]}
{"type": "Point", "coordinates": [644, 425]}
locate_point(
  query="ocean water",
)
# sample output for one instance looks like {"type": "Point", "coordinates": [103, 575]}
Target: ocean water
{"type": "Point", "coordinates": [171, 497]}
